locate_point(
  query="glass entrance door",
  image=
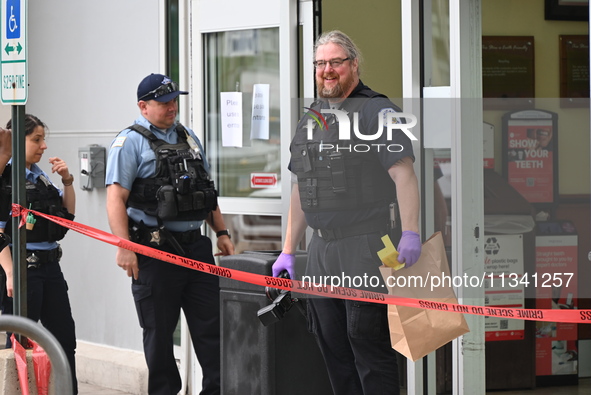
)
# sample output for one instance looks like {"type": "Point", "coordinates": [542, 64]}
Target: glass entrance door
{"type": "Point", "coordinates": [245, 72]}
{"type": "Point", "coordinates": [242, 132]}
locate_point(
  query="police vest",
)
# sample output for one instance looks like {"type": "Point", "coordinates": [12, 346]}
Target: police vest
{"type": "Point", "coordinates": [181, 189]}
{"type": "Point", "coordinates": [41, 196]}
{"type": "Point", "coordinates": [338, 179]}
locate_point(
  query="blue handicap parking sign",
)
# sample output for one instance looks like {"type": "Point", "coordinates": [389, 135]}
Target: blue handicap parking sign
{"type": "Point", "coordinates": [13, 19]}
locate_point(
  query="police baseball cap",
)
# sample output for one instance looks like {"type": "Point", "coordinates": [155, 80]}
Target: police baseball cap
{"type": "Point", "coordinates": [158, 87]}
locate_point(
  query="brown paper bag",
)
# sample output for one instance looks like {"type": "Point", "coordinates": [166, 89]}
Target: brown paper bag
{"type": "Point", "coordinates": [416, 332]}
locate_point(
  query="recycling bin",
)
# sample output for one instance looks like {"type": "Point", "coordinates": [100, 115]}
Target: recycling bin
{"type": "Point", "coordinates": [281, 358]}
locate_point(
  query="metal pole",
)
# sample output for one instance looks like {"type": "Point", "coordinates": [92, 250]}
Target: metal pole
{"type": "Point", "coordinates": [19, 239]}
{"type": "Point", "coordinates": [59, 361]}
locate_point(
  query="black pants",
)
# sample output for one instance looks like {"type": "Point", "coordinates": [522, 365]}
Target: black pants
{"type": "Point", "coordinates": [48, 302]}
{"type": "Point", "coordinates": [160, 292]}
{"type": "Point", "coordinates": [353, 336]}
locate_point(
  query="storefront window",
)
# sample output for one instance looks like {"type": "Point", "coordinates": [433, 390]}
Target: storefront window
{"type": "Point", "coordinates": [243, 64]}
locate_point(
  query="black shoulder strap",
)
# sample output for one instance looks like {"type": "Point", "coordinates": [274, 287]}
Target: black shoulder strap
{"type": "Point", "coordinates": [155, 142]}
{"type": "Point", "coordinates": [181, 131]}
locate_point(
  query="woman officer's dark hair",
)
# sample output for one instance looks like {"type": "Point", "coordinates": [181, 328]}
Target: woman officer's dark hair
{"type": "Point", "coordinates": [31, 122]}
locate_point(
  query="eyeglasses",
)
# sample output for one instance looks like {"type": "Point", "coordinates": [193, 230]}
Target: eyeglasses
{"type": "Point", "coordinates": [334, 63]}
{"type": "Point", "coordinates": [162, 90]}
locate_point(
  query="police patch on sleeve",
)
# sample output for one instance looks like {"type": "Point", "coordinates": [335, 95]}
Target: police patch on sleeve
{"type": "Point", "coordinates": [387, 114]}
{"type": "Point", "coordinates": [118, 142]}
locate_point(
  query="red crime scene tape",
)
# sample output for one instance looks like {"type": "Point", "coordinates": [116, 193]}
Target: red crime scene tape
{"type": "Point", "coordinates": [549, 315]}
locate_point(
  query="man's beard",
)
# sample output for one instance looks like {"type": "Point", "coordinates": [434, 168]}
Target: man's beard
{"type": "Point", "coordinates": [331, 93]}
{"type": "Point", "coordinates": [338, 90]}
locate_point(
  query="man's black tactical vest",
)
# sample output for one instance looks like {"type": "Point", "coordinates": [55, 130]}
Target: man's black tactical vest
{"type": "Point", "coordinates": [41, 196]}
{"type": "Point", "coordinates": [181, 189]}
{"type": "Point", "coordinates": [334, 181]}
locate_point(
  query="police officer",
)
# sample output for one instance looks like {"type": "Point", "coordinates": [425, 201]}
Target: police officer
{"type": "Point", "coordinates": [47, 291]}
{"type": "Point", "coordinates": [159, 193]}
{"type": "Point", "coordinates": [346, 189]}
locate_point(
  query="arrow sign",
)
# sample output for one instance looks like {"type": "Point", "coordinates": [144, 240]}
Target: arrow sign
{"type": "Point", "coordinates": [9, 48]}
{"type": "Point", "coordinates": [263, 180]}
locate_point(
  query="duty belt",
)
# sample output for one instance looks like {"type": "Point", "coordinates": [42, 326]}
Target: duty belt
{"type": "Point", "coordinates": [188, 237]}
{"type": "Point", "coordinates": [159, 237]}
{"type": "Point", "coordinates": [361, 228]}
{"type": "Point", "coordinates": [36, 258]}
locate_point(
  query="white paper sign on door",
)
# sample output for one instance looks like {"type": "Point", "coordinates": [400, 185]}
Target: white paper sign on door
{"type": "Point", "coordinates": [260, 112]}
{"type": "Point", "coordinates": [231, 110]}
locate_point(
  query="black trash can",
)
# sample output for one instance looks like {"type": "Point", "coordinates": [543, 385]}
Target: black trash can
{"type": "Point", "coordinates": [279, 359]}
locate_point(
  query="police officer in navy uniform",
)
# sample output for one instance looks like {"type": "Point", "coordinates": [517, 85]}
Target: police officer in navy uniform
{"type": "Point", "coordinates": [346, 190]}
{"type": "Point", "coordinates": [47, 290]}
{"type": "Point", "coordinates": [159, 193]}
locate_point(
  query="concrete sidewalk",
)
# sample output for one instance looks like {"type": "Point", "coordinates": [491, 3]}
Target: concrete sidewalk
{"type": "Point", "coordinates": [89, 389]}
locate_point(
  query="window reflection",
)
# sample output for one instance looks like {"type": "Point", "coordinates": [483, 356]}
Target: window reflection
{"type": "Point", "coordinates": [254, 232]}
{"type": "Point", "coordinates": [236, 61]}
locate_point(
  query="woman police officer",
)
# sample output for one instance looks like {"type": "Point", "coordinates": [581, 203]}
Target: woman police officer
{"type": "Point", "coordinates": [47, 291]}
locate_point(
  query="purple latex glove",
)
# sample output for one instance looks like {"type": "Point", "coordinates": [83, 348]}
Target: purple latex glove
{"type": "Point", "coordinates": [284, 262]}
{"type": "Point", "coordinates": [409, 248]}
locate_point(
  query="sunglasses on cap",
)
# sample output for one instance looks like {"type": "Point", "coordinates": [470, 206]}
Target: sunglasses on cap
{"type": "Point", "coordinates": [162, 90]}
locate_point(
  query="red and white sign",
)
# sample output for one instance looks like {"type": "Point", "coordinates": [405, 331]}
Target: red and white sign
{"type": "Point", "coordinates": [530, 157]}
{"type": "Point", "coordinates": [263, 180]}
{"type": "Point", "coordinates": [556, 267]}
